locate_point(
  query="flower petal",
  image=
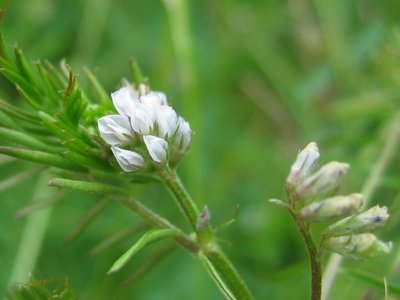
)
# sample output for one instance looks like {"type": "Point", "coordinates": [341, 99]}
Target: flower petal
{"type": "Point", "coordinates": [115, 129]}
{"type": "Point", "coordinates": [154, 99]}
{"type": "Point", "coordinates": [157, 148]}
{"type": "Point", "coordinates": [167, 120]}
{"type": "Point", "coordinates": [183, 134]}
{"type": "Point", "coordinates": [128, 160]}
{"type": "Point", "coordinates": [124, 100]}
{"type": "Point", "coordinates": [142, 119]}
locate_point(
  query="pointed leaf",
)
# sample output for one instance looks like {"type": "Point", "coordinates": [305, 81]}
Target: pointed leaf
{"type": "Point", "coordinates": [147, 238]}
{"type": "Point", "coordinates": [42, 158]}
{"type": "Point", "coordinates": [23, 139]}
{"type": "Point", "coordinates": [87, 186]}
{"type": "Point", "coordinates": [117, 237]}
{"type": "Point", "coordinates": [101, 93]}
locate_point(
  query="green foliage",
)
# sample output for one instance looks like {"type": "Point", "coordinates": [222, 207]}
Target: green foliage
{"type": "Point", "coordinates": [261, 80]}
{"type": "Point", "coordinates": [53, 288]}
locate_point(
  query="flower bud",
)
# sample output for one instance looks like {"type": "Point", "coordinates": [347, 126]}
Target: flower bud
{"type": "Point", "coordinates": [304, 163]}
{"type": "Point", "coordinates": [322, 182]}
{"type": "Point", "coordinates": [115, 129]}
{"type": "Point", "coordinates": [157, 148]}
{"type": "Point", "coordinates": [128, 160]}
{"type": "Point", "coordinates": [358, 246]}
{"type": "Point", "coordinates": [367, 221]}
{"type": "Point", "coordinates": [333, 207]}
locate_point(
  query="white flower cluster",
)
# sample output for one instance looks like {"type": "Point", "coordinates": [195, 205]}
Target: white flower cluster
{"type": "Point", "coordinates": [312, 188]}
{"type": "Point", "coordinates": [146, 127]}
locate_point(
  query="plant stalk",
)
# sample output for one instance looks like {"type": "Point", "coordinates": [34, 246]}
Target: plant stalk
{"type": "Point", "coordinates": [316, 272]}
{"type": "Point", "coordinates": [183, 198]}
{"type": "Point", "coordinates": [220, 263]}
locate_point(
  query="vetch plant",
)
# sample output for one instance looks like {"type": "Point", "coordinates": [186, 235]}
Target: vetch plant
{"type": "Point", "coordinates": [104, 146]}
{"type": "Point", "coordinates": [310, 193]}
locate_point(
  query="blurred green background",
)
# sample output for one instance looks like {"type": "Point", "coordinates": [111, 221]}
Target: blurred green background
{"type": "Point", "coordinates": [257, 80]}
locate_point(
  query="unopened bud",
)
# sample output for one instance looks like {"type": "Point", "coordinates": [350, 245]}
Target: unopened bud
{"type": "Point", "coordinates": [367, 221]}
{"type": "Point", "coordinates": [322, 182]}
{"type": "Point", "coordinates": [203, 228]}
{"type": "Point", "coordinates": [333, 207]}
{"type": "Point", "coordinates": [304, 163]}
{"type": "Point", "coordinates": [358, 246]}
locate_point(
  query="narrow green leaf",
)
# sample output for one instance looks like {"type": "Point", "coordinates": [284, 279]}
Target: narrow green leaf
{"type": "Point", "coordinates": [62, 82]}
{"type": "Point", "coordinates": [23, 66]}
{"type": "Point", "coordinates": [6, 121]}
{"type": "Point", "coordinates": [88, 161]}
{"type": "Point", "coordinates": [101, 93]}
{"type": "Point", "coordinates": [17, 112]}
{"type": "Point", "coordinates": [375, 281]}
{"type": "Point", "coordinates": [117, 237]}
{"type": "Point", "coordinates": [42, 158]}
{"type": "Point", "coordinates": [28, 98]}
{"type": "Point", "coordinates": [17, 79]}
{"type": "Point", "coordinates": [87, 186]}
{"type": "Point", "coordinates": [50, 85]}
{"type": "Point", "coordinates": [147, 238]}
{"type": "Point", "coordinates": [149, 263]}
{"type": "Point", "coordinates": [24, 139]}
{"type": "Point", "coordinates": [3, 50]}
{"type": "Point", "coordinates": [87, 218]}
{"type": "Point", "coordinates": [217, 279]}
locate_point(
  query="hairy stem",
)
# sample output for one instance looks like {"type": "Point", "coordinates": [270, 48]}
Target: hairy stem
{"type": "Point", "coordinates": [316, 273]}
{"type": "Point", "coordinates": [183, 198]}
{"type": "Point", "coordinates": [219, 262]}
{"type": "Point", "coordinates": [156, 220]}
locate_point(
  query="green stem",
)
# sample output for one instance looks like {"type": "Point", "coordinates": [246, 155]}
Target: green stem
{"type": "Point", "coordinates": [229, 274]}
{"type": "Point", "coordinates": [219, 262]}
{"type": "Point", "coordinates": [316, 273]}
{"type": "Point", "coordinates": [160, 222]}
{"type": "Point", "coordinates": [183, 198]}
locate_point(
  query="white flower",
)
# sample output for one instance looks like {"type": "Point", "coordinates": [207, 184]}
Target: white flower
{"type": "Point", "coordinates": [128, 160]}
{"type": "Point", "coordinates": [367, 221]}
{"type": "Point", "coordinates": [157, 148]}
{"type": "Point", "coordinates": [305, 161]}
{"type": "Point", "coordinates": [183, 134]}
{"type": "Point", "coordinates": [167, 120]}
{"type": "Point", "coordinates": [115, 129]}
{"type": "Point", "coordinates": [142, 119]}
{"type": "Point", "coordinates": [154, 99]}
{"type": "Point", "coordinates": [324, 181]}
{"type": "Point", "coordinates": [124, 100]}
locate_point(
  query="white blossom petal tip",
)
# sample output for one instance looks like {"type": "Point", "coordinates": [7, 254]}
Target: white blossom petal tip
{"type": "Point", "coordinates": [115, 129]}
{"type": "Point", "coordinates": [124, 100]}
{"type": "Point", "coordinates": [154, 99]}
{"type": "Point", "coordinates": [142, 120]}
{"type": "Point", "coordinates": [129, 161]}
{"type": "Point", "coordinates": [157, 148]}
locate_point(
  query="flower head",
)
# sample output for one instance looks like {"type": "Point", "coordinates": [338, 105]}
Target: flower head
{"type": "Point", "coordinates": [146, 124]}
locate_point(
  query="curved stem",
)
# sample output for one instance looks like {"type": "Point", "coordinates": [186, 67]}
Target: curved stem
{"type": "Point", "coordinates": [219, 262]}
